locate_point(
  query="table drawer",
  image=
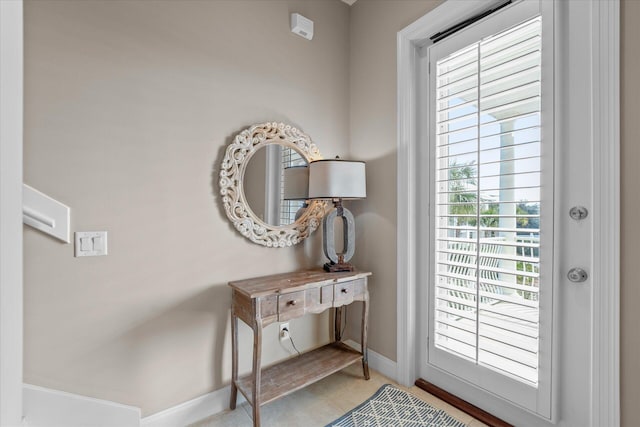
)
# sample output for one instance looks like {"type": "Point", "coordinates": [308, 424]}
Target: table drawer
{"type": "Point", "coordinates": [326, 294]}
{"type": "Point", "coordinates": [268, 306]}
{"type": "Point", "coordinates": [291, 305]}
{"type": "Point", "coordinates": [346, 292]}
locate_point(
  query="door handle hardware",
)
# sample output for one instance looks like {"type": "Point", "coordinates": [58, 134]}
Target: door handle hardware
{"type": "Point", "coordinates": [578, 213]}
{"type": "Point", "coordinates": [577, 275]}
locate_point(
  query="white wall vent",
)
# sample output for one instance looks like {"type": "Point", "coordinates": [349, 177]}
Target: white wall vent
{"type": "Point", "coordinates": [301, 26]}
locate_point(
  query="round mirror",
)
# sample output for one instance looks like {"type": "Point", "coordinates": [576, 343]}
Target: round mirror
{"type": "Point", "coordinates": [263, 184]}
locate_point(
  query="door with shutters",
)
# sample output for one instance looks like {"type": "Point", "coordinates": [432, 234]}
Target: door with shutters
{"type": "Point", "coordinates": [493, 186]}
{"type": "Point", "coordinates": [488, 242]}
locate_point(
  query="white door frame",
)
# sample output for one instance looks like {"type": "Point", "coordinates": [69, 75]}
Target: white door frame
{"type": "Point", "coordinates": [11, 304]}
{"type": "Point", "coordinates": [605, 327]}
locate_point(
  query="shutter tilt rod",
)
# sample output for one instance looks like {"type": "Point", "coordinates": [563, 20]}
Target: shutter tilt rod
{"type": "Point", "coordinates": [459, 26]}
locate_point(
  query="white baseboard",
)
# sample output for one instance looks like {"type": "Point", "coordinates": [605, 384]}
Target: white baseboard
{"type": "Point", "coordinates": [215, 402]}
{"type": "Point", "coordinates": [44, 407]}
{"type": "Point", "coordinates": [385, 366]}
{"type": "Point", "coordinates": [193, 410]}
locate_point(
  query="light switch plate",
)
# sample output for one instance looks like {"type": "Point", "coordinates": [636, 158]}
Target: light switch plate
{"type": "Point", "coordinates": [90, 243]}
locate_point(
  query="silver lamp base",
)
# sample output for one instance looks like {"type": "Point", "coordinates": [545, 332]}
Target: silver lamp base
{"type": "Point", "coordinates": [339, 262]}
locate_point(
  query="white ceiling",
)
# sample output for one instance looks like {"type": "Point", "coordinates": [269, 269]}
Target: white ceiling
{"type": "Point", "coordinates": [349, 2]}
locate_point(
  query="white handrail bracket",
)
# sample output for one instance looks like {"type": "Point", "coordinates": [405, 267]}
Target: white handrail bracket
{"type": "Point", "coordinates": [45, 214]}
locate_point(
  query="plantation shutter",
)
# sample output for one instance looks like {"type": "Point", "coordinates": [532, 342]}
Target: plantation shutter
{"type": "Point", "coordinates": [487, 202]}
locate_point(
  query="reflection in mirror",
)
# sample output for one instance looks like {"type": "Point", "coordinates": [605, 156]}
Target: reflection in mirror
{"type": "Point", "coordinates": [296, 190]}
{"type": "Point", "coordinates": [272, 183]}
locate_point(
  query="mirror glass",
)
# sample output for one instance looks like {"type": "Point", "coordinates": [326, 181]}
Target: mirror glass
{"type": "Point", "coordinates": [272, 184]}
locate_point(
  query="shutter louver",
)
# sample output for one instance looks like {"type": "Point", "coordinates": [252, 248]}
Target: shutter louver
{"type": "Point", "coordinates": [488, 147]}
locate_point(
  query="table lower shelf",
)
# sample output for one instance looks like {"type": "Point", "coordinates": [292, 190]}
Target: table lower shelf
{"type": "Point", "coordinates": [296, 373]}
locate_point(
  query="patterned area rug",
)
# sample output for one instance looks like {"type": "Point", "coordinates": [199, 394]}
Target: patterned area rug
{"type": "Point", "coordinates": [392, 407]}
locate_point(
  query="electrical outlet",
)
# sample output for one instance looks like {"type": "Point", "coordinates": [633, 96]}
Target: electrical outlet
{"type": "Point", "coordinates": [284, 331]}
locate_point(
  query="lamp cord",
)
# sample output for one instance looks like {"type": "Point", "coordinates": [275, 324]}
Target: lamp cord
{"type": "Point", "coordinates": [344, 327]}
{"type": "Point", "coordinates": [293, 344]}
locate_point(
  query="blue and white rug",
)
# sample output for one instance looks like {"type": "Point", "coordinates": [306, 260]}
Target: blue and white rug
{"type": "Point", "coordinates": [392, 407]}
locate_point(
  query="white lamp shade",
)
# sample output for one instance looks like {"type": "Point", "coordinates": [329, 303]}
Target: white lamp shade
{"type": "Point", "coordinates": [337, 179]}
{"type": "Point", "coordinates": [296, 183]}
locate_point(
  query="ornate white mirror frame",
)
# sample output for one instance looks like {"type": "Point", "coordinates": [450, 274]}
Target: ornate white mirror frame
{"type": "Point", "coordinates": [232, 172]}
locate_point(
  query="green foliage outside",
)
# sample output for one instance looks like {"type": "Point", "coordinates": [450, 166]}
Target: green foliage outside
{"type": "Point", "coordinates": [463, 199]}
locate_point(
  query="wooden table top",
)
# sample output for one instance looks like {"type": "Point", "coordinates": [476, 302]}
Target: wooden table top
{"type": "Point", "coordinates": [289, 282]}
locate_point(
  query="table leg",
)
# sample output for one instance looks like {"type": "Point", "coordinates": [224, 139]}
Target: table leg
{"type": "Point", "coordinates": [257, 354]}
{"type": "Point", "coordinates": [337, 333]}
{"type": "Point", "coordinates": [363, 340]}
{"type": "Point", "coordinates": [234, 359]}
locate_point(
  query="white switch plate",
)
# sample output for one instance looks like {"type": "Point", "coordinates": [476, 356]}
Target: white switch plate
{"type": "Point", "coordinates": [91, 243]}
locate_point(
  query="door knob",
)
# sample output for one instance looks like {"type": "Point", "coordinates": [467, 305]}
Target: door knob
{"type": "Point", "coordinates": [577, 275]}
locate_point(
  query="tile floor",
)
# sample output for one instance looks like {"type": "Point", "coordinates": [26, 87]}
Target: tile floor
{"type": "Point", "coordinates": [323, 402]}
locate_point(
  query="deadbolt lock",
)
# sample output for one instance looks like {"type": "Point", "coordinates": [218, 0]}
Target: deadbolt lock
{"type": "Point", "coordinates": [578, 212]}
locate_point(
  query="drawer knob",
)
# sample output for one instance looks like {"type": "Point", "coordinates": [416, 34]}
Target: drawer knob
{"type": "Point", "coordinates": [292, 302]}
{"type": "Point", "coordinates": [344, 291]}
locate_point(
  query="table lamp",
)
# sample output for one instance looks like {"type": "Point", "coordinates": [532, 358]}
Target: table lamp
{"type": "Point", "coordinates": [337, 180]}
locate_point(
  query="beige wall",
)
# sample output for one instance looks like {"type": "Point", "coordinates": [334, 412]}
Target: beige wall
{"type": "Point", "coordinates": [630, 230]}
{"type": "Point", "coordinates": [128, 108]}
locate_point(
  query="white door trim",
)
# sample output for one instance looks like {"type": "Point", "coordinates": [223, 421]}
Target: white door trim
{"type": "Point", "coordinates": [605, 47]}
{"type": "Point", "coordinates": [11, 67]}
{"type": "Point", "coordinates": [605, 327]}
